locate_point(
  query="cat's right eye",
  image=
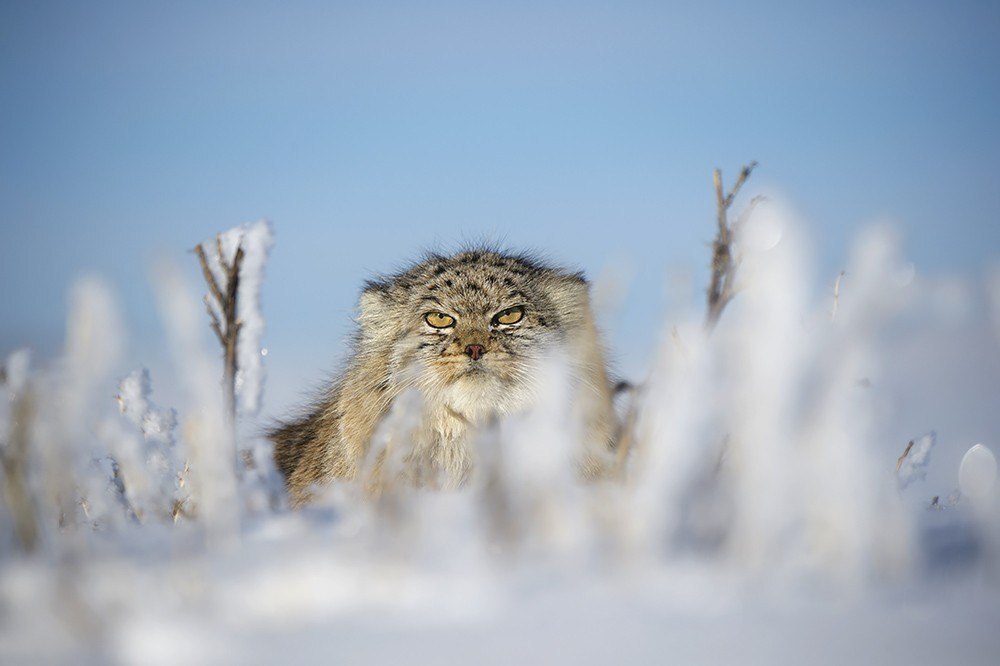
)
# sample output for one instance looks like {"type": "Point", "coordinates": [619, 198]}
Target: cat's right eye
{"type": "Point", "coordinates": [439, 319]}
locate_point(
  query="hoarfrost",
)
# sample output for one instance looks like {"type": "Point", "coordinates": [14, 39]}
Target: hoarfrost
{"type": "Point", "coordinates": [14, 371]}
{"type": "Point", "coordinates": [149, 475]}
{"type": "Point", "coordinates": [913, 464]}
{"type": "Point", "coordinates": [755, 460]}
{"type": "Point", "coordinates": [13, 379]}
{"type": "Point", "coordinates": [256, 239]}
{"type": "Point", "coordinates": [60, 462]}
{"type": "Point", "coordinates": [134, 402]}
{"type": "Point", "coordinates": [208, 438]}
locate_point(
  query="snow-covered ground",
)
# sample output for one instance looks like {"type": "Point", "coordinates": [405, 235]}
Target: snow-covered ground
{"type": "Point", "coordinates": [766, 517]}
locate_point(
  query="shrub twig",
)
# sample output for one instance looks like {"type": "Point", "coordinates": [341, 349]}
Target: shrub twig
{"type": "Point", "coordinates": [836, 295]}
{"type": "Point", "coordinates": [16, 487]}
{"type": "Point", "coordinates": [906, 452]}
{"type": "Point", "coordinates": [720, 291]}
{"type": "Point", "coordinates": [227, 330]}
{"type": "Point", "coordinates": [721, 287]}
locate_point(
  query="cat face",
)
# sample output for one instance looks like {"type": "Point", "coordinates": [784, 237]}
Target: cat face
{"type": "Point", "coordinates": [469, 330]}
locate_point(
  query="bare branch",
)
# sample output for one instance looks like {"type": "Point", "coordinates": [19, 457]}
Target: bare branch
{"type": "Point", "coordinates": [208, 274]}
{"type": "Point", "coordinates": [721, 286]}
{"type": "Point", "coordinates": [232, 329]}
{"type": "Point", "coordinates": [234, 268]}
{"type": "Point", "coordinates": [223, 317]}
{"type": "Point", "coordinates": [16, 489]}
{"type": "Point", "coordinates": [836, 295]}
{"type": "Point", "coordinates": [233, 276]}
{"type": "Point", "coordinates": [626, 435]}
{"type": "Point", "coordinates": [218, 253]}
{"type": "Point", "coordinates": [720, 202]}
{"type": "Point", "coordinates": [906, 452]}
{"type": "Point", "coordinates": [744, 174]}
{"type": "Point", "coordinates": [215, 321]}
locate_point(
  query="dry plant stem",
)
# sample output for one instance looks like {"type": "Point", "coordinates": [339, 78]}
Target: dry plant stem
{"type": "Point", "coordinates": [178, 510]}
{"type": "Point", "coordinates": [228, 330]}
{"type": "Point", "coordinates": [16, 491]}
{"type": "Point", "coordinates": [836, 297]}
{"type": "Point", "coordinates": [906, 452]}
{"type": "Point", "coordinates": [720, 290]}
{"type": "Point", "coordinates": [625, 440]}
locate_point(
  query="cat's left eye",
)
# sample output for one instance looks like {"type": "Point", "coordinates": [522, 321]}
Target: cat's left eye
{"type": "Point", "coordinates": [509, 316]}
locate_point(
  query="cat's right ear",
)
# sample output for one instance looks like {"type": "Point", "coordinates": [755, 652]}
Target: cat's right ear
{"type": "Point", "coordinates": [375, 304]}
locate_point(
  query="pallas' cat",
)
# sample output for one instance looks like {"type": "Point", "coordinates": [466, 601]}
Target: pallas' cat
{"type": "Point", "coordinates": [469, 334]}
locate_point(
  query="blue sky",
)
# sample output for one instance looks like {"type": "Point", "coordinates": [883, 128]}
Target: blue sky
{"type": "Point", "coordinates": [370, 131]}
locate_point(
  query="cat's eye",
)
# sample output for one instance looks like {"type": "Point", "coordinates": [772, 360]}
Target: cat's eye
{"type": "Point", "coordinates": [439, 319]}
{"type": "Point", "coordinates": [509, 316]}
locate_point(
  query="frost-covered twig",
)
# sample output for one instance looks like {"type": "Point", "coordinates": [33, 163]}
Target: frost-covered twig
{"type": "Point", "coordinates": [836, 300]}
{"type": "Point", "coordinates": [209, 440]}
{"type": "Point", "coordinates": [14, 459]}
{"type": "Point", "coordinates": [721, 289]}
{"type": "Point", "coordinates": [912, 463]}
{"type": "Point", "coordinates": [906, 452]}
{"type": "Point", "coordinates": [232, 264]}
{"type": "Point", "coordinates": [625, 438]}
{"type": "Point", "coordinates": [228, 330]}
{"type": "Point", "coordinates": [146, 471]}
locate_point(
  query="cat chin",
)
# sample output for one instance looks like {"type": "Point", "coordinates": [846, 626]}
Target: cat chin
{"type": "Point", "coordinates": [478, 396]}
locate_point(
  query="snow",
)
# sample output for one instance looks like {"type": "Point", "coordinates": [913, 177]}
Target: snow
{"type": "Point", "coordinates": [760, 521]}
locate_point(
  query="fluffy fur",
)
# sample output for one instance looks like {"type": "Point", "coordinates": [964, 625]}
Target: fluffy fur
{"type": "Point", "coordinates": [396, 350]}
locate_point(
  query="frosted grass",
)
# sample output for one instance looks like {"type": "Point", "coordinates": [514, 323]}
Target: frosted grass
{"type": "Point", "coordinates": [755, 503]}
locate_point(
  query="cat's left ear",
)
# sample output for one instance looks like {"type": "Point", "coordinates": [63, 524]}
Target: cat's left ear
{"type": "Point", "coordinates": [575, 284]}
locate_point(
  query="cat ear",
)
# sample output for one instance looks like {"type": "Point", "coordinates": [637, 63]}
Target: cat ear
{"type": "Point", "coordinates": [375, 304]}
{"type": "Point", "coordinates": [574, 284]}
{"type": "Point", "coordinates": [577, 280]}
{"type": "Point", "coordinates": [570, 293]}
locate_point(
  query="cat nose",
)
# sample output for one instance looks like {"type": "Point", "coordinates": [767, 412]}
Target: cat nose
{"type": "Point", "coordinates": [475, 351]}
